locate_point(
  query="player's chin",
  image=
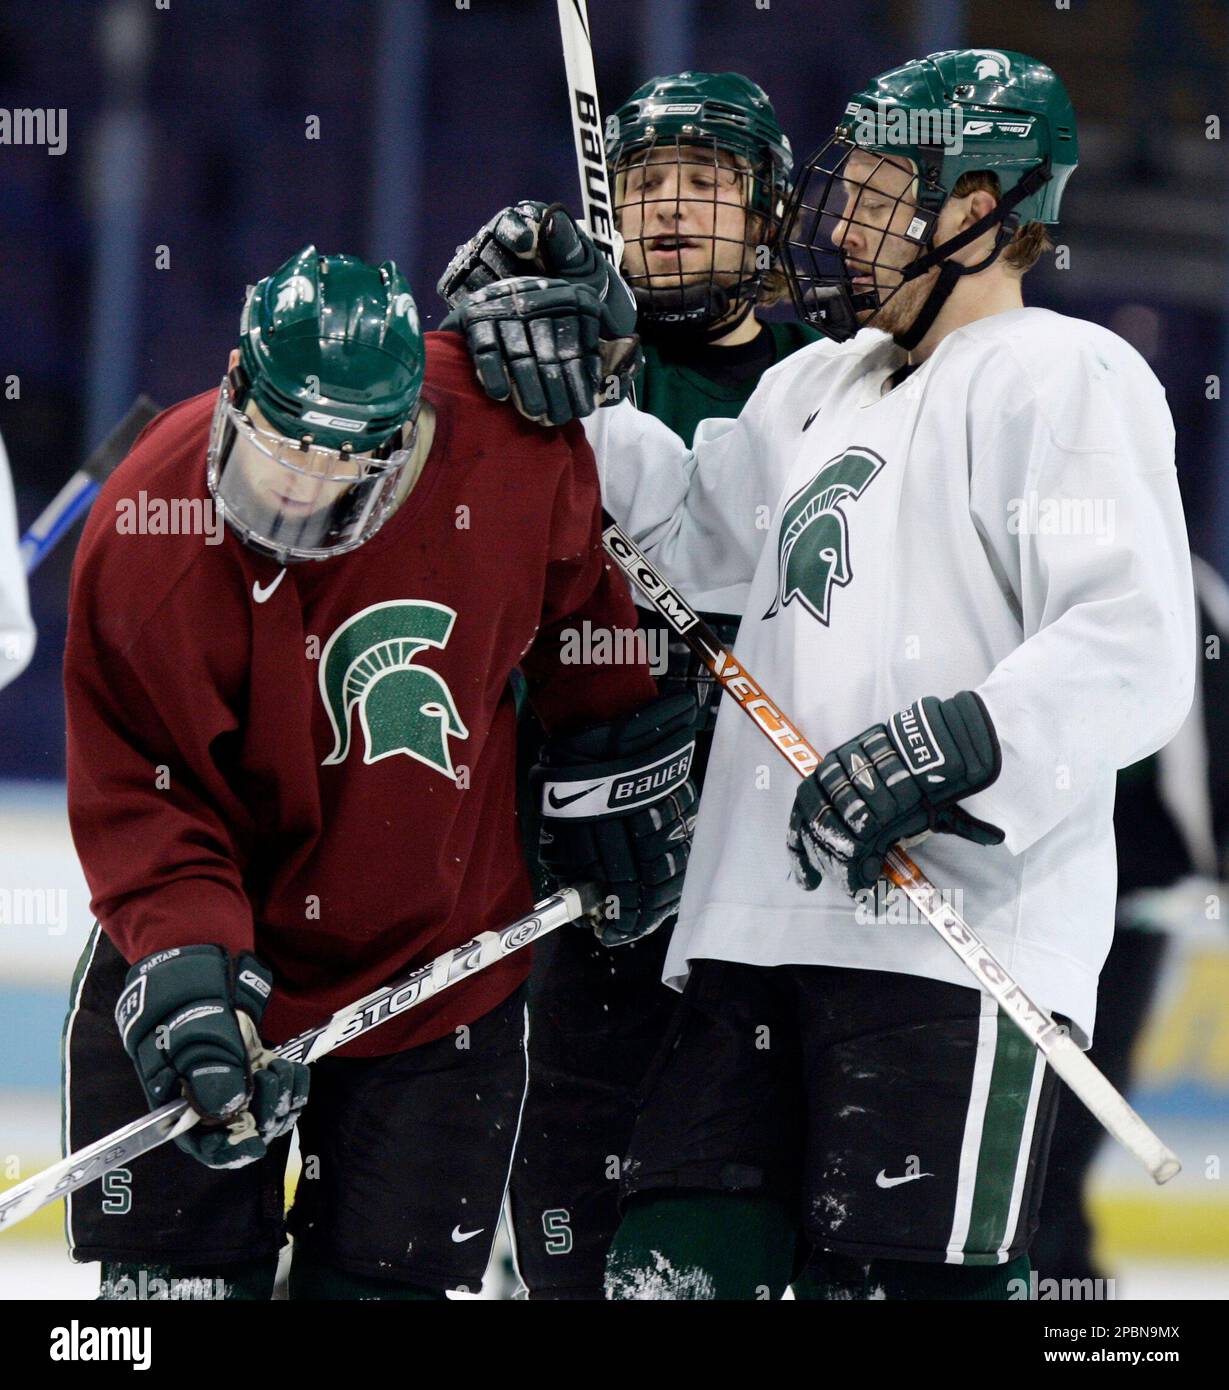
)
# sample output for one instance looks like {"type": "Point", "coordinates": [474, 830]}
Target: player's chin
{"type": "Point", "coordinates": [885, 320]}
{"type": "Point", "coordinates": [893, 315]}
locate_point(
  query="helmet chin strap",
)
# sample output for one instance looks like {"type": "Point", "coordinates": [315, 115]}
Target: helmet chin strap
{"type": "Point", "coordinates": [700, 316]}
{"type": "Point", "coordinates": [1004, 216]}
{"type": "Point", "coordinates": [950, 273]}
{"type": "Point", "coordinates": [719, 330]}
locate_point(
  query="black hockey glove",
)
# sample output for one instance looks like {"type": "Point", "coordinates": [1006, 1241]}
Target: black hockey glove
{"type": "Point", "coordinates": [535, 237]}
{"type": "Point", "coordinates": [618, 806]}
{"type": "Point", "coordinates": [891, 782]}
{"type": "Point", "coordinates": [505, 248]}
{"type": "Point", "coordinates": [535, 342]}
{"type": "Point", "coordinates": [189, 1019]}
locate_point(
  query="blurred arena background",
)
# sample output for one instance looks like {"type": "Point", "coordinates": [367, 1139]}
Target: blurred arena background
{"type": "Point", "coordinates": [190, 170]}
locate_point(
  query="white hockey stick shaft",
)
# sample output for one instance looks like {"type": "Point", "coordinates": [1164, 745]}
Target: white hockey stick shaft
{"type": "Point", "coordinates": [390, 1001]}
{"type": "Point", "coordinates": [587, 128]}
{"type": "Point", "coordinates": [1033, 1021]}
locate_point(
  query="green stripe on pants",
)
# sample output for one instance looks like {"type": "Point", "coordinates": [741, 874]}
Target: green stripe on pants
{"type": "Point", "coordinates": [1007, 1125]}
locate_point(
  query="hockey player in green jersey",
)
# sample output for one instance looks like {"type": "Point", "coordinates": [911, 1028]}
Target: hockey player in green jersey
{"type": "Point", "coordinates": [701, 171]}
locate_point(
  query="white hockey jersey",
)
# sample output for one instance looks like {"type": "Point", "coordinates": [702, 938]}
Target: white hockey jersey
{"type": "Point", "coordinates": [1006, 520]}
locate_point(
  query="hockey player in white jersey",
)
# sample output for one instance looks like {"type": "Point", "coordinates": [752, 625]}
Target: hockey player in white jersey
{"type": "Point", "coordinates": [954, 528]}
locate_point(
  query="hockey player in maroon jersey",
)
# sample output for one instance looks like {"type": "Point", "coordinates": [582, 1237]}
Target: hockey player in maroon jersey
{"type": "Point", "coordinates": [290, 781]}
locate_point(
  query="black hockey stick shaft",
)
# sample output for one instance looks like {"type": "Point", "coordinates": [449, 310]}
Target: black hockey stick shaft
{"type": "Point", "coordinates": [74, 498]}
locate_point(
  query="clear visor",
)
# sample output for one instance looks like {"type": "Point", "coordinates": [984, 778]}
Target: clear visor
{"type": "Point", "coordinates": [295, 499]}
{"type": "Point", "coordinates": [686, 215]}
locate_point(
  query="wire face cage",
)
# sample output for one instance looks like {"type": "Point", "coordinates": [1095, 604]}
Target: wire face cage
{"type": "Point", "coordinates": [699, 224]}
{"type": "Point", "coordinates": [852, 229]}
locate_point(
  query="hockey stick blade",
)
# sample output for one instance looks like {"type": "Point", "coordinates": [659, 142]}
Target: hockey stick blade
{"type": "Point", "coordinates": [1034, 1022]}
{"type": "Point", "coordinates": [390, 1001]}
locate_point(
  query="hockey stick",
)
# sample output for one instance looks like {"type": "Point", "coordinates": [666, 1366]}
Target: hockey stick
{"type": "Point", "coordinates": [390, 1001]}
{"type": "Point", "coordinates": [76, 495]}
{"type": "Point", "coordinates": [1033, 1021]}
{"type": "Point", "coordinates": [596, 190]}
{"type": "Point", "coordinates": [587, 129]}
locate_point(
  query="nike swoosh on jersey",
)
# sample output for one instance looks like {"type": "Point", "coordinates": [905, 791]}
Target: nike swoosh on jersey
{"type": "Point", "coordinates": [559, 802]}
{"type": "Point", "coordinates": [458, 1235]}
{"type": "Point", "coordinates": [261, 593]}
{"type": "Point", "coordinates": [810, 418]}
{"type": "Point", "coordinates": [882, 1179]}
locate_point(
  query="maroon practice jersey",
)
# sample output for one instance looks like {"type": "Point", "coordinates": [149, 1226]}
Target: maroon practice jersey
{"type": "Point", "coordinates": [319, 765]}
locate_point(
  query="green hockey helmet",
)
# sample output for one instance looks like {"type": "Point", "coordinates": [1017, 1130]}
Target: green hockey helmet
{"type": "Point", "coordinates": [701, 169]}
{"type": "Point", "coordinates": [313, 430]}
{"type": "Point", "coordinates": [938, 118]}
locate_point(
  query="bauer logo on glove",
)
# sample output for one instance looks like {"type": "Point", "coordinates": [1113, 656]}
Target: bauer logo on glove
{"type": "Point", "coordinates": [618, 806]}
{"type": "Point", "coordinates": [894, 781]}
{"type": "Point", "coordinates": [582, 796]}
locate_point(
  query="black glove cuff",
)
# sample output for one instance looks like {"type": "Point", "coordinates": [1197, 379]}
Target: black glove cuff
{"type": "Point", "coordinates": [253, 985]}
{"type": "Point", "coordinates": [930, 731]}
{"type": "Point", "coordinates": [615, 768]}
{"type": "Point", "coordinates": [969, 719]}
{"type": "Point", "coordinates": [615, 786]}
{"type": "Point", "coordinates": [165, 981]}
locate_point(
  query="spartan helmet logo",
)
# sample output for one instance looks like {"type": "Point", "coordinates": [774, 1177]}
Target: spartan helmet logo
{"type": "Point", "coordinates": [991, 64]}
{"type": "Point", "coordinates": [813, 543]}
{"type": "Point", "coordinates": [368, 663]}
{"type": "Point", "coordinates": [297, 290]}
{"type": "Point", "coordinates": [403, 304]}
